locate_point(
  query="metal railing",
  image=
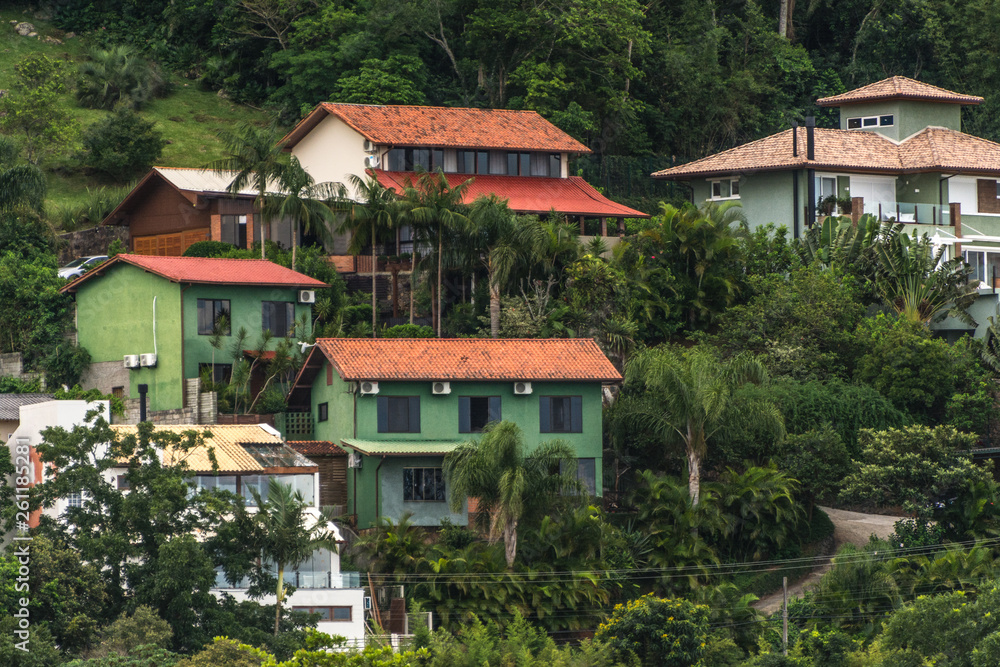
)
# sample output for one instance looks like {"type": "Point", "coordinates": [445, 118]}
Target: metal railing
{"type": "Point", "coordinates": [303, 580]}
{"type": "Point", "coordinates": [912, 214]}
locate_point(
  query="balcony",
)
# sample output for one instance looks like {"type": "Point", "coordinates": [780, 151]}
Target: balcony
{"type": "Point", "coordinates": [910, 214]}
{"type": "Point", "coordinates": [301, 580]}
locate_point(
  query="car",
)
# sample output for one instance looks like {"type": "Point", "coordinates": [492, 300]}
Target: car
{"type": "Point", "coordinates": [80, 266]}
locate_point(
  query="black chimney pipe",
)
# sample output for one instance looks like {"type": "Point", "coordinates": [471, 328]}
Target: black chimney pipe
{"type": "Point", "coordinates": [795, 138]}
{"type": "Point", "coordinates": [143, 390]}
{"type": "Point", "coordinates": [810, 137]}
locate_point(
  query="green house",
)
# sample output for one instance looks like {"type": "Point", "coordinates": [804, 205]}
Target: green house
{"type": "Point", "coordinates": [150, 320]}
{"type": "Point", "coordinates": [400, 405]}
{"type": "Point", "coordinates": [899, 154]}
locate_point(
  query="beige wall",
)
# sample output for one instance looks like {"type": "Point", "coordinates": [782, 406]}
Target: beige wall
{"type": "Point", "coordinates": [332, 151]}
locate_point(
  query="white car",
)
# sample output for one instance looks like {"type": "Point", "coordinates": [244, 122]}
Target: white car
{"type": "Point", "coordinates": [81, 265]}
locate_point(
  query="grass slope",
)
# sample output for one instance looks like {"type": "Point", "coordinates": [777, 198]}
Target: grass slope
{"type": "Point", "coordinates": [190, 118]}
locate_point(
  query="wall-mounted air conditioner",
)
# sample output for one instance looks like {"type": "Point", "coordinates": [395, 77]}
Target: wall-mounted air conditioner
{"type": "Point", "coordinates": [368, 388]}
{"type": "Point", "coordinates": [131, 361]}
{"type": "Point", "coordinates": [441, 388]}
{"type": "Point", "coordinates": [372, 162]}
{"type": "Point", "coordinates": [370, 146]}
{"type": "Point", "coordinates": [307, 296]}
{"type": "Point", "coordinates": [147, 359]}
{"type": "Point", "coordinates": [354, 460]}
{"type": "Point", "coordinates": [522, 388]}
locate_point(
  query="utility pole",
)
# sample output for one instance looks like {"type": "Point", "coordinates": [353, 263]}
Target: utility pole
{"type": "Point", "coordinates": [784, 615]}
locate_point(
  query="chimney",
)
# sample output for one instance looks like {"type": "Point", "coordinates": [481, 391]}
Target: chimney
{"type": "Point", "coordinates": [143, 390]}
{"type": "Point", "coordinates": [795, 138]}
{"type": "Point", "coordinates": [810, 137]}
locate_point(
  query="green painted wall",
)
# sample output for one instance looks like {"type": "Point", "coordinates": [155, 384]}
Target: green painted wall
{"type": "Point", "coordinates": [439, 421]}
{"type": "Point", "coordinates": [245, 308]}
{"type": "Point", "coordinates": [765, 197]}
{"type": "Point", "coordinates": [909, 117]}
{"type": "Point", "coordinates": [908, 185]}
{"type": "Point", "coordinates": [115, 318]}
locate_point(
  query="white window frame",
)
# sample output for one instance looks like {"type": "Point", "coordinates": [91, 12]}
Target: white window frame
{"type": "Point", "coordinates": [713, 182]}
{"type": "Point", "coordinates": [987, 251]}
{"type": "Point", "coordinates": [877, 118]}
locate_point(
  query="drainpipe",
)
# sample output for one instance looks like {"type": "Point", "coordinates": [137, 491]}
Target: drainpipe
{"type": "Point", "coordinates": [143, 390]}
{"type": "Point", "coordinates": [811, 173]}
{"type": "Point", "coordinates": [378, 490]}
{"type": "Point", "coordinates": [795, 204]}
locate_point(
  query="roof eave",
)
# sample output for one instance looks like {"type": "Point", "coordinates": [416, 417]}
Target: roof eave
{"type": "Point", "coordinates": [833, 102]}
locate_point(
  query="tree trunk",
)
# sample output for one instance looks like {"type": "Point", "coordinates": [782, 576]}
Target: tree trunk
{"type": "Point", "coordinates": [413, 280]}
{"type": "Point", "coordinates": [295, 241]}
{"type": "Point", "coordinates": [785, 16]}
{"type": "Point", "coordinates": [694, 476]}
{"type": "Point", "coordinates": [494, 308]}
{"type": "Point", "coordinates": [510, 542]}
{"type": "Point", "coordinates": [277, 604]}
{"type": "Point", "coordinates": [440, 264]}
{"type": "Point", "coordinates": [374, 299]}
{"type": "Point", "coordinates": [263, 234]}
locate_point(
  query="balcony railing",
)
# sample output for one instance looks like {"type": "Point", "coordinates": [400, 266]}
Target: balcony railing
{"type": "Point", "coordinates": [910, 214]}
{"type": "Point", "coordinates": [303, 580]}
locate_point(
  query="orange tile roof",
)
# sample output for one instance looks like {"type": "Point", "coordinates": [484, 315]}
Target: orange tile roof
{"type": "Point", "coordinates": [443, 127]}
{"type": "Point", "coordinates": [859, 151]}
{"type": "Point", "coordinates": [207, 270]}
{"type": "Point", "coordinates": [898, 88]}
{"type": "Point", "coordinates": [468, 359]}
{"type": "Point", "coordinates": [528, 194]}
{"type": "Point", "coordinates": [316, 448]}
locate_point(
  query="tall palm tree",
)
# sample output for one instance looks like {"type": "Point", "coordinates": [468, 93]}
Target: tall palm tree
{"type": "Point", "coordinates": [303, 202]}
{"type": "Point", "coordinates": [282, 535]}
{"type": "Point", "coordinates": [504, 478]}
{"type": "Point", "coordinates": [375, 209]}
{"type": "Point", "coordinates": [433, 202]}
{"type": "Point", "coordinates": [256, 155]}
{"type": "Point", "coordinates": [687, 397]}
{"type": "Point", "coordinates": [503, 242]}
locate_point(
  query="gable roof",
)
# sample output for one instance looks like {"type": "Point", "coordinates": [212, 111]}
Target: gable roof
{"type": "Point", "coordinates": [898, 88]}
{"type": "Point", "coordinates": [468, 359]}
{"type": "Point", "coordinates": [207, 271]}
{"type": "Point", "coordinates": [857, 151]}
{"type": "Point", "coordinates": [527, 194]}
{"type": "Point", "coordinates": [443, 127]}
{"type": "Point", "coordinates": [10, 404]}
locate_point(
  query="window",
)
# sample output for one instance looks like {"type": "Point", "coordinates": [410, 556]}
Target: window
{"type": "Point", "coordinates": [408, 159]}
{"type": "Point", "coordinates": [322, 412]}
{"type": "Point", "coordinates": [482, 162]}
{"type": "Point", "coordinates": [234, 230]}
{"type": "Point", "coordinates": [339, 614]}
{"type": "Point", "coordinates": [278, 318]}
{"type": "Point", "coordinates": [475, 412]}
{"type": "Point", "coordinates": [561, 414]}
{"type": "Point", "coordinates": [123, 484]}
{"type": "Point", "coordinates": [985, 265]}
{"type": "Point", "coordinates": [210, 314]}
{"type": "Point", "coordinates": [726, 189]}
{"type": "Point", "coordinates": [717, 189]}
{"type": "Point", "coordinates": [118, 392]}
{"type": "Point", "coordinates": [217, 373]}
{"type": "Point", "coordinates": [74, 499]}
{"type": "Point", "coordinates": [734, 188]}
{"type": "Point", "coordinates": [519, 164]}
{"type": "Point", "coordinates": [466, 162]}
{"type": "Point", "coordinates": [217, 483]}
{"type": "Point", "coordinates": [869, 121]}
{"type": "Point", "coordinates": [399, 414]}
{"type": "Point", "coordinates": [586, 474]}
{"type": "Point", "coordinates": [423, 484]}
{"type": "Point", "coordinates": [555, 165]}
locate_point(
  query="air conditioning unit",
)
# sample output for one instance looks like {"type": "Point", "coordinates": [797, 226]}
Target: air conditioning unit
{"type": "Point", "coordinates": [522, 388]}
{"type": "Point", "coordinates": [441, 388]}
{"type": "Point", "coordinates": [372, 162]}
{"type": "Point", "coordinates": [370, 147]}
{"type": "Point", "coordinates": [147, 359]}
{"type": "Point", "coordinates": [131, 361]}
{"type": "Point", "coordinates": [354, 460]}
{"type": "Point", "coordinates": [307, 296]}
{"type": "Point", "coordinates": [368, 388]}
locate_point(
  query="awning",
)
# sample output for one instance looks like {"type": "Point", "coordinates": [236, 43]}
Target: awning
{"type": "Point", "coordinates": [401, 447]}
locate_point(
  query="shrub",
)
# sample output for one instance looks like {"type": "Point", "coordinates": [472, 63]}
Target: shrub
{"type": "Point", "coordinates": [118, 75]}
{"type": "Point", "coordinates": [658, 631]}
{"type": "Point", "coordinates": [122, 145]}
{"type": "Point", "coordinates": [818, 460]}
{"type": "Point", "coordinates": [408, 331]}
{"type": "Point", "coordinates": [208, 249]}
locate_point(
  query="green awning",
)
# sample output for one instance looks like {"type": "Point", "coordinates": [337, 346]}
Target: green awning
{"type": "Point", "coordinates": [401, 447]}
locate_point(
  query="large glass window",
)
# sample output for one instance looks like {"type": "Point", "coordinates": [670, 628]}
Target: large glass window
{"type": "Point", "coordinates": [482, 162]}
{"type": "Point", "coordinates": [561, 414]}
{"type": "Point", "coordinates": [425, 484]}
{"type": "Point", "coordinates": [278, 317]}
{"type": "Point", "coordinates": [217, 483]}
{"type": "Point", "coordinates": [399, 414]}
{"type": "Point", "coordinates": [213, 316]}
{"type": "Point", "coordinates": [985, 266]}
{"type": "Point", "coordinates": [234, 230]}
{"type": "Point", "coordinates": [408, 159]}
{"type": "Point", "coordinates": [475, 412]}
{"type": "Point", "coordinates": [466, 162]}
{"type": "Point", "coordinates": [586, 474]}
{"type": "Point", "coordinates": [555, 165]}
{"type": "Point", "coordinates": [218, 373]}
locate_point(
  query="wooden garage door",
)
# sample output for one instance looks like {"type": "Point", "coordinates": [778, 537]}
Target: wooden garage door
{"type": "Point", "coordinates": [170, 245]}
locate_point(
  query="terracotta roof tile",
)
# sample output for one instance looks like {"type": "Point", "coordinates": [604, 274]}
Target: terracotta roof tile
{"type": "Point", "coordinates": [204, 270]}
{"type": "Point", "coordinates": [444, 127]}
{"type": "Point", "coordinates": [468, 359]}
{"type": "Point", "coordinates": [858, 151]}
{"type": "Point", "coordinates": [316, 448]}
{"type": "Point", "coordinates": [528, 194]}
{"type": "Point", "coordinates": [898, 88]}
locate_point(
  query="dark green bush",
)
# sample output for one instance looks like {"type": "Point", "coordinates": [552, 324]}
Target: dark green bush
{"type": "Point", "coordinates": [122, 146]}
{"type": "Point", "coordinates": [408, 331]}
{"type": "Point", "coordinates": [208, 249]}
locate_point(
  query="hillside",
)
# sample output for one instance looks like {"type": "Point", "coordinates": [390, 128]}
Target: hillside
{"type": "Point", "coordinates": [190, 118]}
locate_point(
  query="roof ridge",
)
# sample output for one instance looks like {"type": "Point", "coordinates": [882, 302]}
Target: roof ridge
{"type": "Point", "coordinates": [431, 106]}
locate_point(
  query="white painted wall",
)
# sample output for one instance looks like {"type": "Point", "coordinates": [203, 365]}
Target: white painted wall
{"type": "Point", "coordinates": [353, 630]}
{"type": "Point", "coordinates": [331, 151]}
{"type": "Point", "coordinates": [962, 190]}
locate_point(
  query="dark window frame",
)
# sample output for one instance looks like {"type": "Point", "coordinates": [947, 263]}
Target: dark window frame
{"type": "Point", "coordinates": [466, 412]}
{"type": "Point", "coordinates": [322, 412]}
{"type": "Point", "coordinates": [571, 410]}
{"type": "Point", "coordinates": [267, 318]}
{"type": "Point", "coordinates": [233, 229]}
{"type": "Point", "coordinates": [217, 312]}
{"type": "Point", "coordinates": [388, 407]}
{"type": "Point", "coordinates": [416, 487]}
{"type": "Point", "coordinates": [220, 373]}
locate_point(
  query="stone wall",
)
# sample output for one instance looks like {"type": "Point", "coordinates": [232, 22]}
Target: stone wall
{"type": "Point", "coordinates": [91, 241]}
{"type": "Point", "coordinates": [12, 365]}
{"type": "Point", "coordinates": [200, 407]}
{"type": "Point", "coordinates": [105, 376]}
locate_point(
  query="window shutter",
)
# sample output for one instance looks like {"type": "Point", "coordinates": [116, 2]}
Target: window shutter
{"type": "Point", "coordinates": [544, 414]}
{"type": "Point", "coordinates": [383, 414]}
{"type": "Point", "coordinates": [576, 413]}
{"type": "Point", "coordinates": [414, 414]}
{"type": "Point", "coordinates": [464, 421]}
{"type": "Point", "coordinates": [495, 409]}
{"type": "Point", "coordinates": [329, 373]}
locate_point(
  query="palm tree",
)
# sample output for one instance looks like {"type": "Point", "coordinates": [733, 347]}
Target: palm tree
{"type": "Point", "coordinates": [376, 209]}
{"type": "Point", "coordinates": [303, 202]}
{"type": "Point", "coordinates": [433, 202]}
{"type": "Point", "coordinates": [504, 479]}
{"type": "Point", "coordinates": [256, 155]}
{"type": "Point", "coordinates": [119, 75]}
{"type": "Point", "coordinates": [281, 534]}
{"type": "Point", "coordinates": [503, 242]}
{"type": "Point", "coordinates": [687, 397]}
